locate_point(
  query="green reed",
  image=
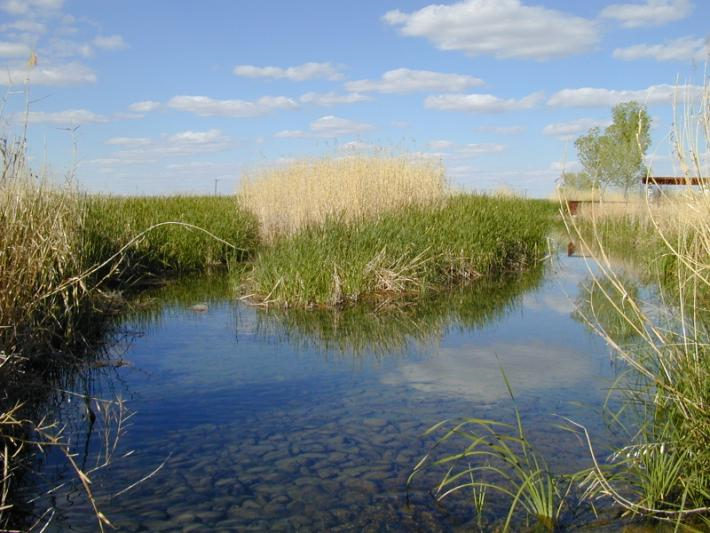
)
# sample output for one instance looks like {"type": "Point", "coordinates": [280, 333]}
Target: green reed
{"type": "Point", "coordinates": [408, 251]}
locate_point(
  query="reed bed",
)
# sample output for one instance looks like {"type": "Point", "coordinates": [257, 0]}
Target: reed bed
{"type": "Point", "coordinates": [285, 199]}
{"type": "Point", "coordinates": [663, 470]}
{"type": "Point", "coordinates": [168, 234]}
{"type": "Point", "coordinates": [405, 252]}
{"type": "Point", "coordinates": [39, 241]}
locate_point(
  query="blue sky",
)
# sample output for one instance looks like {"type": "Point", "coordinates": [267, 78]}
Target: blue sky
{"type": "Point", "coordinates": [170, 96]}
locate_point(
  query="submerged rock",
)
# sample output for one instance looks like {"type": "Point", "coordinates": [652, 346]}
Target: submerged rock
{"type": "Point", "coordinates": [199, 308]}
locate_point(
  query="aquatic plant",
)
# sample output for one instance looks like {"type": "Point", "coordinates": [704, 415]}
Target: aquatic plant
{"type": "Point", "coordinates": [308, 192]}
{"type": "Point", "coordinates": [407, 251]}
{"type": "Point", "coordinates": [497, 457]}
{"type": "Point", "coordinates": [167, 234]}
{"type": "Point", "coordinates": [663, 390]}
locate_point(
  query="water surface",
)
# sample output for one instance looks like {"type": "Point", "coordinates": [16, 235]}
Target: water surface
{"type": "Point", "coordinates": [302, 421]}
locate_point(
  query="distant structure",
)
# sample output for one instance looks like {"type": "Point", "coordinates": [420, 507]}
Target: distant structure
{"type": "Point", "coordinates": [674, 180]}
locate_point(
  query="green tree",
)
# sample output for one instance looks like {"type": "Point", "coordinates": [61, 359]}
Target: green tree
{"type": "Point", "coordinates": [616, 157]}
{"type": "Point", "coordinates": [579, 181]}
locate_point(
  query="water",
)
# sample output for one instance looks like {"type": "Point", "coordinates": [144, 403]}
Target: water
{"type": "Point", "coordinates": [302, 421]}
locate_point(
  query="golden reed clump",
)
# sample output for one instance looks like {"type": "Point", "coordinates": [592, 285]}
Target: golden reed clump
{"type": "Point", "coordinates": [310, 191]}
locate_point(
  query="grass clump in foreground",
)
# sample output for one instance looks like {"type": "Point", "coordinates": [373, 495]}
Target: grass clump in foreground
{"type": "Point", "coordinates": [660, 401]}
{"type": "Point", "coordinates": [405, 251]}
{"type": "Point", "coordinates": [310, 192]}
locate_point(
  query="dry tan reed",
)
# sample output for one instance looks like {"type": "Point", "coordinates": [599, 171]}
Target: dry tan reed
{"type": "Point", "coordinates": [38, 251]}
{"type": "Point", "coordinates": [662, 472]}
{"type": "Point", "coordinates": [309, 191]}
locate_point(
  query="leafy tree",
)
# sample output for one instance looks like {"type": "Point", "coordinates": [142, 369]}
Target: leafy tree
{"type": "Point", "coordinates": [580, 181]}
{"type": "Point", "coordinates": [615, 157]}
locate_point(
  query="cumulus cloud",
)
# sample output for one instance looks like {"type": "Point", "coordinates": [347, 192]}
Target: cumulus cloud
{"type": "Point", "coordinates": [110, 42]}
{"type": "Point", "coordinates": [68, 74]}
{"type": "Point", "coordinates": [145, 106]}
{"type": "Point", "coordinates": [8, 49]}
{"type": "Point", "coordinates": [501, 130]}
{"type": "Point", "coordinates": [129, 141]}
{"type": "Point", "coordinates": [24, 25]}
{"type": "Point", "coordinates": [595, 97]}
{"type": "Point", "coordinates": [471, 150]}
{"type": "Point", "coordinates": [22, 7]}
{"type": "Point", "coordinates": [648, 13]}
{"type": "Point", "coordinates": [327, 127]}
{"type": "Point", "coordinates": [441, 144]}
{"type": "Point", "coordinates": [69, 117]}
{"type": "Point", "coordinates": [403, 80]}
{"type": "Point", "coordinates": [566, 131]}
{"type": "Point", "coordinates": [332, 99]}
{"type": "Point", "coordinates": [674, 50]}
{"type": "Point", "coordinates": [142, 149]}
{"type": "Point", "coordinates": [307, 71]}
{"type": "Point", "coordinates": [502, 28]}
{"type": "Point", "coordinates": [480, 103]}
{"type": "Point", "coordinates": [205, 106]}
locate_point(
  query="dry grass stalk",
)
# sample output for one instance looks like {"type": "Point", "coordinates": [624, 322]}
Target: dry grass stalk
{"type": "Point", "coordinates": [287, 198]}
{"type": "Point", "coordinates": [666, 461]}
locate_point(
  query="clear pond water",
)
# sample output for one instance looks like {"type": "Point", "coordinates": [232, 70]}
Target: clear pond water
{"type": "Point", "coordinates": [312, 421]}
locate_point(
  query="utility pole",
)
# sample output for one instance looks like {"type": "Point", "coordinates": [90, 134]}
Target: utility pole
{"type": "Point", "coordinates": [216, 181]}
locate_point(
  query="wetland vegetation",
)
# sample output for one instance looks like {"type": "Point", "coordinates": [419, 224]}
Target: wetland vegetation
{"type": "Point", "coordinates": [363, 266]}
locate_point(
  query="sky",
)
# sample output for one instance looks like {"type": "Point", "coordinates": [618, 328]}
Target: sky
{"type": "Point", "coordinates": [165, 97]}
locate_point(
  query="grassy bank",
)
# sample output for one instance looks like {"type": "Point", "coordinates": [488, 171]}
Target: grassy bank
{"type": "Point", "coordinates": [406, 251]}
{"type": "Point", "coordinates": [205, 231]}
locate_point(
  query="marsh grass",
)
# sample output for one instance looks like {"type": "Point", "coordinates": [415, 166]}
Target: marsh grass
{"type": "Point", "coordinates": [178, 234]}
{"type": "Point", "coordinates": [497, 459]}
{"type": "Point", "coordinates": [663, 470]}
{"type": "Point", "coordinates": [39, 243]}
{"type": "Point", "coordinates": [309, 192]}
{"type": "Point", "coordinates": [401, 253]}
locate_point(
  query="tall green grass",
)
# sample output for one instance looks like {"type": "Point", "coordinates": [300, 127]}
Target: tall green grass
{"type": "Point", "coordinates": [204, 231]}
{"type": "Point", "coordinates": [408, 251]}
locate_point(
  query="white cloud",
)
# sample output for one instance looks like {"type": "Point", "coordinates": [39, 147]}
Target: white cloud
{"type": "Point", "coordinates": [674, 50]}
{"type": "Point", "coordinates": [205, 106]}
{"type": "Point", "coordinates": [648, 13]}
{"type": "Point", "coordinates": [594, 97]}
{"type": "Point", "coordinates": [110, 42]}
{"type": "Point", "coordinates": [502, 28]}
{"type": "Point", "coordinates": [67, 74]}
{"type": "Point", "coordinates": [501, 130]}
{"type": "Point", "coordinates": [471, 150]}
{"type": "Point", "coordinates": [129, 141]}
{"type": "Point", "coordinates": [327, 127]}
{"type": "Point", "coordinates": [330, 126]}
{"type": "Point", "coordinates": [307, 71]}
{"type": "Point", "coordinates": [566, 131]}
{"type": "Point", "coordinates": [62, 48]}
{"type": "Point", "coordinates": [332, 99]}
{"type": "Point", "coordinates": [21, 7]}
{"type": "Point", "coordinates": [145, 106]}
{"type": "Point", "coordinates": [290, 134]}
{"type": "Point", "coordinates": [178, 144]}
{"type": "Point", "coordinates": [441, 144]}
{"type": "Point", "coordinates": [14, 50]}
{"type": "Point", "coordinates": [480, 103]}
{"type": "Point", "coordinates": [69, 117]}
{"type": "Point", "coordinates": [358, 147]}
{"type": "Point", "coordinates": [404, 80]}
{"type": "Point", "coordinates": [25, 26]}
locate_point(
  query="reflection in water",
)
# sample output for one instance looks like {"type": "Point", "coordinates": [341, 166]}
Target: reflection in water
{"type": "Point", "coordinates": [474, 372]}
{"type": "Point", "coordinates": [601, 306]}
{"type": "Point", "coordinates": [265, 424]}
{"type": "Point", "coordinates": [397, 327]}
